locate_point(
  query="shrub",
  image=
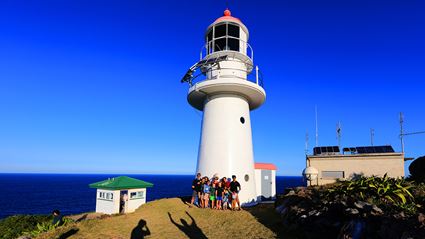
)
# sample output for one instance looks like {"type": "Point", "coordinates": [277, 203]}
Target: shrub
{"type": "Point", "coordinates": [390, 192]}
{"type": "Point", "coordinates": [417, 169]}
{"type": "Point", "coordinates": [14, 226]}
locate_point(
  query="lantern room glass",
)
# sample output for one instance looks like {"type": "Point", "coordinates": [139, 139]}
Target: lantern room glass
{"type": "Point", "coordinates": [223, 37]}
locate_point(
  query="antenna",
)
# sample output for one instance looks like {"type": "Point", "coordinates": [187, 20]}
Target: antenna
{"type": "Point", "coordinates": [338, 133]}
{"type": "Point", "coordinates": [401, 131]}
{"type": "Point", "coordinates": [306, 143]}
{"type": "Point", "coordinates": [372, 135]}
{"type": "Point", "coordinates": [317, 128]}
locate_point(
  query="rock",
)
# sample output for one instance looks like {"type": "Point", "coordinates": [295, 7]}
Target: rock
{"type": "Point", "coordinates": [400, 215]}
{"type": "Point", "coordinates": [279, 209]}
{"type": "Point", "coordinates": [311, 213]}
{"type": "Point", "coordinates": [352, 211]}
{"type": "Point", "coordinates": [291, 193]}
{"type": "Point", "coordinates": [362, 205]}
{"type": "Point", "coordinates": [377, 210]}
{"type": "Point", "coordinates": [421, 219]}
{"type": "Point", "coordinates": [24, 237]}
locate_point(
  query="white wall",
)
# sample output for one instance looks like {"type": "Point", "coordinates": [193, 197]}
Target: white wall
{"type": "Point", "coordinates": [274, 184]}
{"type": "Point", "coordinates": [258, 183]}
{"type": "Point", "coordinates": [108, 206]}
{"type": "Point", "coordinates": [226, 143]}
{"type": "Point", "coordinates": [135, 202]}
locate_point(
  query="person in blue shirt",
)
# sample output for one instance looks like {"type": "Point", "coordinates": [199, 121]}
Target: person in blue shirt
{"type": "Point", "coordinates": [206, 190]}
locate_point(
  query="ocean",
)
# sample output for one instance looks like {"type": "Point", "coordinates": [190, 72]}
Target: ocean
{"type": "Point", "coordinates": [41, 193]}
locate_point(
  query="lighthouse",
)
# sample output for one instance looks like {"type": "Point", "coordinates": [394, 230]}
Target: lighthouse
{"type": "Point", "coordinates": [225, 94]}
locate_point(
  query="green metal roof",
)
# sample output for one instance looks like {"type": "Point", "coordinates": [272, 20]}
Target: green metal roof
{"type": "Point", "coordinates": [121, 182]}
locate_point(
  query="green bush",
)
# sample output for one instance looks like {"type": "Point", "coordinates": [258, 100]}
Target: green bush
{"type": "Point", "coordinates": [14, 226]}
{"type": "Point", "coordinates": [389, 192]}
{"type": "Point", "coordinates": [417, 169]}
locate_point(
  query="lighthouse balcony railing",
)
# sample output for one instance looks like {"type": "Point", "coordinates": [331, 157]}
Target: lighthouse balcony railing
{"type": "Point", "coordinates": [256, 78]}
{"type": "Point", "coordinates": [212, 46]}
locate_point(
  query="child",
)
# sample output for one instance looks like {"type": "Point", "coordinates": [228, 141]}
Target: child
{"type": "Point", "coordinates": [212, 195]}
{"type": "Point", "coordinates": [201, 193]}
{"type": "Point", "coordinates": [219, 195]}
{"type": "Point", "coordinates": [226, 195]}
{"type": "Point", "coordinates": [234, 195]}
{"type": "Point", "coordinates": [206, 190]}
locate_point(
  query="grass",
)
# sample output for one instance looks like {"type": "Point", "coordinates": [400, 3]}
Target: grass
{"type": "Point", "coordinates": [172, 218]}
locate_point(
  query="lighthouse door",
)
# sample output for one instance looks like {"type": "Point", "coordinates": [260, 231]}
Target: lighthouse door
{"type": "Point", "coordinates": [266, 184]}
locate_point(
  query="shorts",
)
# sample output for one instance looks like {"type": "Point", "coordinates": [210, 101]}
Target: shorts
{"type": "Point", "coordinates": [206, 196]}
{"type": "Point", "coordinates": [219, 198]}
{"type": "Point", "coordinates": [194, 193]}
{"type": "Point", "coordinates": [212, 197]}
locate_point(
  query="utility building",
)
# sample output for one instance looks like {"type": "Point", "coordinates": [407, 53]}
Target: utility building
{"type": "Point", "coordinates": [328, 164]}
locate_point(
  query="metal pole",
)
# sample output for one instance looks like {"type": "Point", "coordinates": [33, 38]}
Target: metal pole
{"type": "Point", "coordinates": [306, 143]}
{"type": "Point", "coordinates": [401, 132]}
{"type": "Point", "coordinates": [372, 134]}
{"type": "Point", "coordinates": [317, 129]}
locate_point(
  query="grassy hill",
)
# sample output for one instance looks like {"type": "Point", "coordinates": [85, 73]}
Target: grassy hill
{"type": "Point", "coordinates": [172, 218]}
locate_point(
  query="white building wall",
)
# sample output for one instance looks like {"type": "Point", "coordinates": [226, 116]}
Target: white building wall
{"type": "Point", "coordinates": [135, 201]}
{"type": "Point", "coordinates": [258, 179]}
{"type": "Point", "coordinates": [105, 205]}
{"type": "Point", "coordinates": [273, 184]}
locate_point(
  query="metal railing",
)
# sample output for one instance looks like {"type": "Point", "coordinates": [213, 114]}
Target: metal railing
{"type": "Point", "coordinates": [256, 78]}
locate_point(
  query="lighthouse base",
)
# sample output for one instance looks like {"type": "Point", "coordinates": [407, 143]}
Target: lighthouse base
{"type": "Point", "coordinates": [226, 143]}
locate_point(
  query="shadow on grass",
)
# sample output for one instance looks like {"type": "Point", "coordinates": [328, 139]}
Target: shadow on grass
{"type": "Point", "coordinates": [191, 230]}
{"type": "Point", "coordinates": [68, 233]}
{"type": "Point", "coordinates": [266, 215]}
{"type": "Point", "coordinates": [140, 231]}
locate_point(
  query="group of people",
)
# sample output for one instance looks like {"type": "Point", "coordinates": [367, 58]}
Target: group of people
{"type": "Point", "coordinates": [216, 193]}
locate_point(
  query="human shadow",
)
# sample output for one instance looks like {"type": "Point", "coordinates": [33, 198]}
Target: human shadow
{"type": "Point", "coordinates": [82, 218]}
{"type": "Point", "coordinates": [140, 231]}
{"type": "Point", "coordinates": [192, 230]}
{"type": "Point", "coordinates": [68, 233]}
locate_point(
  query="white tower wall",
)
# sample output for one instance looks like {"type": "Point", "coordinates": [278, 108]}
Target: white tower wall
{"type": "Point", "coordinates": [226, 142]}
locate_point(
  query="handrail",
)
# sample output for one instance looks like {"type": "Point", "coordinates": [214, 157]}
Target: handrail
{"type": "Point", "coordinates": [204, 49]}
{"type": "Point", "coordinates": [256, 78]}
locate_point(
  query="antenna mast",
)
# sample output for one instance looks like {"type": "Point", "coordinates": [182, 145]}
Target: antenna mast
{"type": "Point", "coordinates": [401, 132]}
{"type": "Point", "coordinates": [338, 133]}
{"type": "Point", "coordinates": [317, 129]}
{"type": "Point", "coordinates": [372, 135]}
{"type": "Point", "coordinates": [306, 143]}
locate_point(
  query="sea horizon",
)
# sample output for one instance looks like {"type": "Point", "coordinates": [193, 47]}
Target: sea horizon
{"type": "Point", "coordinates": [40, 193]}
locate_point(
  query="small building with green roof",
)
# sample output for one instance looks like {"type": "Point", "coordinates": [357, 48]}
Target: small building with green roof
{"type": "Point", "coordinates": [120, 194]}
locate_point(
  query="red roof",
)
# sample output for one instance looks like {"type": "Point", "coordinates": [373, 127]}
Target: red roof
{"type": "Point", "coordinates": [267, 166]}
{"type": "Point", "coordinates": [227, 16]}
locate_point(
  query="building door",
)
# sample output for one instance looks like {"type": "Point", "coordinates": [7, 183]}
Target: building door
{"type": "Point", "coordinates": [266, 184]}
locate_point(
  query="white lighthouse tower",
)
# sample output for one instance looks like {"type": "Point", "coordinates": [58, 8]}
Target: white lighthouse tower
{"type": "Point", "coordinates": [226, 97]}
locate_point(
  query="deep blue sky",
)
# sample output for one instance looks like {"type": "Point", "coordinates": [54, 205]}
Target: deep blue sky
{"type": "Point", "coordinates": [94, 86]}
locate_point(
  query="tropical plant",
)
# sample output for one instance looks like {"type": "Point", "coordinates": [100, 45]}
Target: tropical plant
{"type": "Point", "coordinates": [379, 190]}
{"type": "Point", "coordinates": [13, 226]}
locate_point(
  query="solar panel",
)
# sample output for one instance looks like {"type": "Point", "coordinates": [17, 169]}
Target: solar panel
{"type": "Point", "coordinates": [375, 149]}
{"type": "Point", "coordinates": [326, 150]}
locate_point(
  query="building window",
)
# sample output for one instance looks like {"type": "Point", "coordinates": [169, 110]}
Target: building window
{"type": "Point", "coordinates": [333, 174]}
{"type": "Point", "coordinates": [106, 196]}
{"type": "Point", "coordinates": [242, 119]}
{"type": "Point", "coordinates": [137, 195]}
{"type": "Point", "coordinates": [246, 177]}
